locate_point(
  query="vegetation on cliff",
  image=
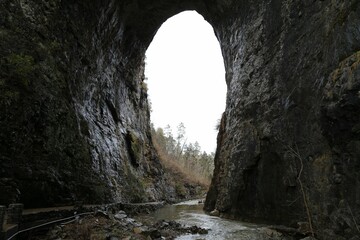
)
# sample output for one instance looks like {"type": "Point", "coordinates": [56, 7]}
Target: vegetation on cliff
{"type": "Point", "coordinates": [187, 168]}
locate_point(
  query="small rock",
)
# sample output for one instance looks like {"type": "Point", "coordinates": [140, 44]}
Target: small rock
{"type": "Point", "coordinates": [162, 224]}
{"type": "Point", "coordinates": [130, 221]}
{"type": "Point", "coordinates": [215, 213]}
{"type": "Point", "coordinates": [120, 216]}
{"type": "Point", "coordinates": [203, 231]}
{"type": "Point", "coordinates": [272, 233]}
{"type": "Point", "coordinates": [174, 224]}
{"type": "Point", "coordinates": [121, 212]}
{"type": "Point", "coordinates": [138, 224]}
{"type": "Point", "coordinates": [138, 230]}
{"type": "Point", "coordinates": [196, 229]}
{"type": "Point", "coordinates": [124, 224]}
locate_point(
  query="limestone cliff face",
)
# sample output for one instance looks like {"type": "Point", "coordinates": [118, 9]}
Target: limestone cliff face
{"type": "Point", "coordinates": [74, 110]}
{"type": "Point", "coordinates": [74, 120]}
{"type": "Point", "coordinates": [289, 136]}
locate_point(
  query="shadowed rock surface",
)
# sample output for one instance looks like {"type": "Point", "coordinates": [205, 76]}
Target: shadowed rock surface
{"type": "Point", "coordinates": [74, 116]}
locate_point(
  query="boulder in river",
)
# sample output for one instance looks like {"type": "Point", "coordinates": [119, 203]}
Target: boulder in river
{"type": "Point", "coordinates": [215, 213]}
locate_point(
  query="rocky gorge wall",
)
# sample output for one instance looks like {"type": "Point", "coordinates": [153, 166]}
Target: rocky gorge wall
{"type": "Point", "coordinates": [74, 121]}
{"type": "Point", "coordinates": [74, 111]}
{"type": "Point", "coordinates": [288, 147]}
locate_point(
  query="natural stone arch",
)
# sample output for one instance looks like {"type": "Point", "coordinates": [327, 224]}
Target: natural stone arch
{"type": "Point", "coordinates": [74, 119]}
{"type": "Point", "coordinates": [90, 127]}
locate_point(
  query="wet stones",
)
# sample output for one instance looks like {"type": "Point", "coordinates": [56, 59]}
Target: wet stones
{"type": "Point", "coordinates": [120, 215]}
{"type": "Point", "coordinates": [173, 228]}
{"type": "Point", "coordinates": [120, 226]}
{"type": "Point", "coordinates": [215, 213]}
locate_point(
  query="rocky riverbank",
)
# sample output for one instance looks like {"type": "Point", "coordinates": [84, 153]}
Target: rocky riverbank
{"type": "Point", "coordinates": [121, 225]}
{"type": "Point", "coordinates": [142, 225]}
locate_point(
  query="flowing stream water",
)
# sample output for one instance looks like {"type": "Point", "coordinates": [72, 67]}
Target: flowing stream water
{"type": "Point", "coordinates": [190, 213]}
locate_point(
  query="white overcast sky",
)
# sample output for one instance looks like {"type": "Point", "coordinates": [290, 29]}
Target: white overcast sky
{"type": "Point", "coordinates": [186, 78]}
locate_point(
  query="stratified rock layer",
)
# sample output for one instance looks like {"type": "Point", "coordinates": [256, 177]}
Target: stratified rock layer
{"type": "Point", "coordinates": [74, 121]}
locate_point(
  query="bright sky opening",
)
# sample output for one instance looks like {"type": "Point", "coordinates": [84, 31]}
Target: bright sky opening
{"type": "Point", "coordinates": [186, 78]}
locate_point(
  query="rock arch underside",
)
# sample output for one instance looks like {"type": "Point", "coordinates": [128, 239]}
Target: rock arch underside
{"type": "Point", "coordinates": [74, 115]}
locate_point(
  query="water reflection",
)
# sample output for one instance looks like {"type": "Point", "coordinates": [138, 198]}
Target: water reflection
{"type": "Point", "coordinates": [190, 213]}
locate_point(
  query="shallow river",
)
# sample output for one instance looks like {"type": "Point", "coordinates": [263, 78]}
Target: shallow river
{"type": "Point", "coordinates": [190, 213]}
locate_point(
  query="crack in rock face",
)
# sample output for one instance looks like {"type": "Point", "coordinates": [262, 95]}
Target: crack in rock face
{"type": "Point", "coordinates": [74, 119]}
